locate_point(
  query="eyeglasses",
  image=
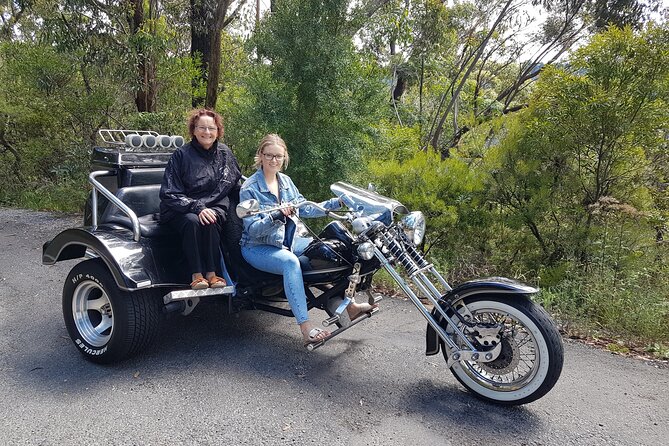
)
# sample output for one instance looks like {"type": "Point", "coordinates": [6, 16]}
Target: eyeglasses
{"type": "Point", "coordinates": [204, 129]}
{"type": "Point", "coordinates": [269, 157]}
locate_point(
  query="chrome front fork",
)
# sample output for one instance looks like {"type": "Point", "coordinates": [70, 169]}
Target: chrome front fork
{"type": "Point", "coordinates": [417, 269]}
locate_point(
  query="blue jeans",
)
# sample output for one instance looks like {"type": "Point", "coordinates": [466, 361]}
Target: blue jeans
{"type": "Point", "coordinates": [286, 263]}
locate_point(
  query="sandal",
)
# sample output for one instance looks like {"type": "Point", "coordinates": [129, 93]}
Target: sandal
{"type": "Point", "coordinates": [217, 282]}
{"type": "Point", "coordinates": [199, 284]}
{"type": "Point", "coordinates": [317, 335]}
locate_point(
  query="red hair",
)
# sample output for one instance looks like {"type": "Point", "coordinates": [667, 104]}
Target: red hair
{"type": "Point", "coordinates": [195, 115]}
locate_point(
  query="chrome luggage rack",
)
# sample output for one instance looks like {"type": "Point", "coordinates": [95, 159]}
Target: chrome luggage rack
{"type": "Point", "coordinates": [146, 141]}
{"type": "Point", "coordinates": [118, 137]}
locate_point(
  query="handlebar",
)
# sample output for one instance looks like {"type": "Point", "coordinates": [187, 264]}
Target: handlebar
{"type": "Point", "coordinates": [252, 207]}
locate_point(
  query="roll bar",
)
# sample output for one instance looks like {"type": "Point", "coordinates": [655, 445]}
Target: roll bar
{"type": "Point", "coordinates": [98, 187]}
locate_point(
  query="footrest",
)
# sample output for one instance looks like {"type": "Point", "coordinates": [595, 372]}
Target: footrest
{"type": "Point", "coordinates": [331, 320]}
{"type": "Point", "coordinates": [187, 294]}
{"type": "Point", "coordinates": [371, 298]}
{"type": "Point", "coordinates": [374, 299]}
{"type": "Point", "coordinates": [339, 331]}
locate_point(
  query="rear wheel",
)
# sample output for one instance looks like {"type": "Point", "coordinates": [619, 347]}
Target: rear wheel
{"type": "Point", "coordinates": [105, 323]}
{"type": "Point", "coordinates": [531, 357]}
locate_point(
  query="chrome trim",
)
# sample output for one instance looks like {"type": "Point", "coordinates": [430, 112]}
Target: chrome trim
{"type": "Point", "coordinates": [97, 186]}
{"type": "Point", "coordinates": [117, 137]}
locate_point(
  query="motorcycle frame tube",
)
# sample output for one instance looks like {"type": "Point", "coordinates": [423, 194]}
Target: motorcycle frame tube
{"type": "Point", "coordinates": [312, 301]}
{"type": "Point", "coordinates": [417, 303]}
{"type": "Point", "coordinates": [440, 278]}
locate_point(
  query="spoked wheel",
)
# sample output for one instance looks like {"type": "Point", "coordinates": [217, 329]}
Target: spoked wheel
{"type": "Point", "coordinates": [105, 323]}
{"type": "Point", "coordinates": [531, 354]}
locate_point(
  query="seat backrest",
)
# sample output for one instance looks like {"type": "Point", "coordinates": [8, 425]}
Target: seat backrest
{"type": "Point", "coordinates": [140, 176]}
{"type": "Point", "coordinates": [143, 200]}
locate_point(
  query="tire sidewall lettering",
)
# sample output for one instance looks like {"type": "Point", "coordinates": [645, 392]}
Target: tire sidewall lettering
{"type": "Point", "coordinates": [84, 347]}
{"type": "Point", "coordinates": [88, 350]}
{"type": "Point", "coordinates": [76, 280]}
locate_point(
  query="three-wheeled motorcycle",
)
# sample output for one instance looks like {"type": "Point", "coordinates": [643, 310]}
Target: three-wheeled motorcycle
{"type": "Point", "coordinates": [495, 340]}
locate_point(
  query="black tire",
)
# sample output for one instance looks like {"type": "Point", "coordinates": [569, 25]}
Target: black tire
{"type": "Point", "coordinates": [106, 324]}
{"type": "Point", "coordinates": [531, 357]}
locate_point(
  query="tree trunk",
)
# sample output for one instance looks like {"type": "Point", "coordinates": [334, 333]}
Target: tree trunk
{"type": "Point", "coordinates": [207, 21]}
{"type": "Point", "coordinates": [472, 63]}
{"type": "Point", "coordinates": [200, 47]}
{"type": "Point", "coordinates": [145, 95]}
{"type": "Point", "coordinates": [214, 71]}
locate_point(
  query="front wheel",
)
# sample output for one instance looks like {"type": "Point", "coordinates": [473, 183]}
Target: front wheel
{"type": "Point", "coordinates": [530, 361]}
{"type": "Point", "coordinates": [105, 323]}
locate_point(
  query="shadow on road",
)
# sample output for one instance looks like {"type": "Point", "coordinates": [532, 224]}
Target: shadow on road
{"type": "Point", "coordinates": [265, 348]}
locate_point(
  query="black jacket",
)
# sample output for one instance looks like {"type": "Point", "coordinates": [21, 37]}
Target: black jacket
{"type": "Point", "coordinates": [196, 178]}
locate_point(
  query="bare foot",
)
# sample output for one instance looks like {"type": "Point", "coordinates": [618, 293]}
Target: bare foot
{"type": "Point", "coordinates": [355, 309]}
{"type": "Point", "coordinates": [312, 334]}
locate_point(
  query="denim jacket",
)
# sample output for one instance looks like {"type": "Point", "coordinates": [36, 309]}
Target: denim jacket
{"type": "Point", "coordinates": [261, 229]}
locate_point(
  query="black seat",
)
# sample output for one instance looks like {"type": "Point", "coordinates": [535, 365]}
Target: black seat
{"type": "Point", "coordinates": [145, 202]}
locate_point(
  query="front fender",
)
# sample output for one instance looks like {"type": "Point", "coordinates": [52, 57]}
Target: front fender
{"type": "Point", "coordinates": [490, 285]}
{"type": "Point", "coordinates": [131, 263]}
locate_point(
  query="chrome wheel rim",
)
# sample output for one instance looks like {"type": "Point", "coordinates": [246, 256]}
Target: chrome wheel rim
{"type": "Point", "coordinates": [517, 363]}
{"type": "Point", "coordinates": [92, 312]}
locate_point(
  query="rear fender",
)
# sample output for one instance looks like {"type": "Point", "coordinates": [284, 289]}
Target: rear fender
{"type": "Point", "coordinates": [130, 263]}
{"type": "Point", "coordinates": [491, 285]}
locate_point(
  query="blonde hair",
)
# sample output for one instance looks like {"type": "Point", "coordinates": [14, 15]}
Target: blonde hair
{"type": "Point", "coordinates": [271, 139]}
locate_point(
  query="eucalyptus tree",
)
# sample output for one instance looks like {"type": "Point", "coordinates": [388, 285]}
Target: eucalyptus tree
{"type": "Point", "coordinates": [592, 135]}
{"type": "Point", "coordinates": [11, 13]}
{"type": "Point", "coordinates": [621, 13]}
{"type": "Point", "coordinates": [309, 84]}
{"type": "Point", "coordinates": [469, 60]}
{"type": "Point", "coordinates": [208, 19]}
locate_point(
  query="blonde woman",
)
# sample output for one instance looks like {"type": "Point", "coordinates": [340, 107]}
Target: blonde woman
{"type": "Point", "coordinates": [269, 242]}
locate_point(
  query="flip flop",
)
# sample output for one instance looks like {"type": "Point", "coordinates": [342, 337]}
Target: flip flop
{"type": "Point", "coordinates": [199, 284]}
{"type": "Point", "coordinates": [217, 282]}
{"type": "Point", "coordinates": [315, 336]}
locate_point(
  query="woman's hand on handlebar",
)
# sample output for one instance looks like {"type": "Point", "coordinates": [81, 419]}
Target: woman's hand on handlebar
{"type": "Point", "coordinates": [281, 214]}
{"type": "Point", "coordinates": [288, 211]}
{"type": "Point", "coordinates": [207, 216]}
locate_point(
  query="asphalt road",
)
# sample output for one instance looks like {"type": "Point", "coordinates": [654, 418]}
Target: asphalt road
{"type": "Point", "coordinates": [245, 379]}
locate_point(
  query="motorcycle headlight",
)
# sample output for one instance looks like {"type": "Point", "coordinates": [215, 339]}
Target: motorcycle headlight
{"type": "Point", "coordinates": [366, 250]}
{"type": "Point", "coordinates": [414, 227]}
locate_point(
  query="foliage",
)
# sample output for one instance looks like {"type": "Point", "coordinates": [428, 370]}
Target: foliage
{"type": "Point", "coordinates": [311, 87]}
{"type": "Point", "coordinates": [633, 303]}
{"type": "Point", "coordinates": [590, 133]}
{"type": "Point", "coordinates": [550, 170]}
{"type": "Point", "coordinates": [621, 13]}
